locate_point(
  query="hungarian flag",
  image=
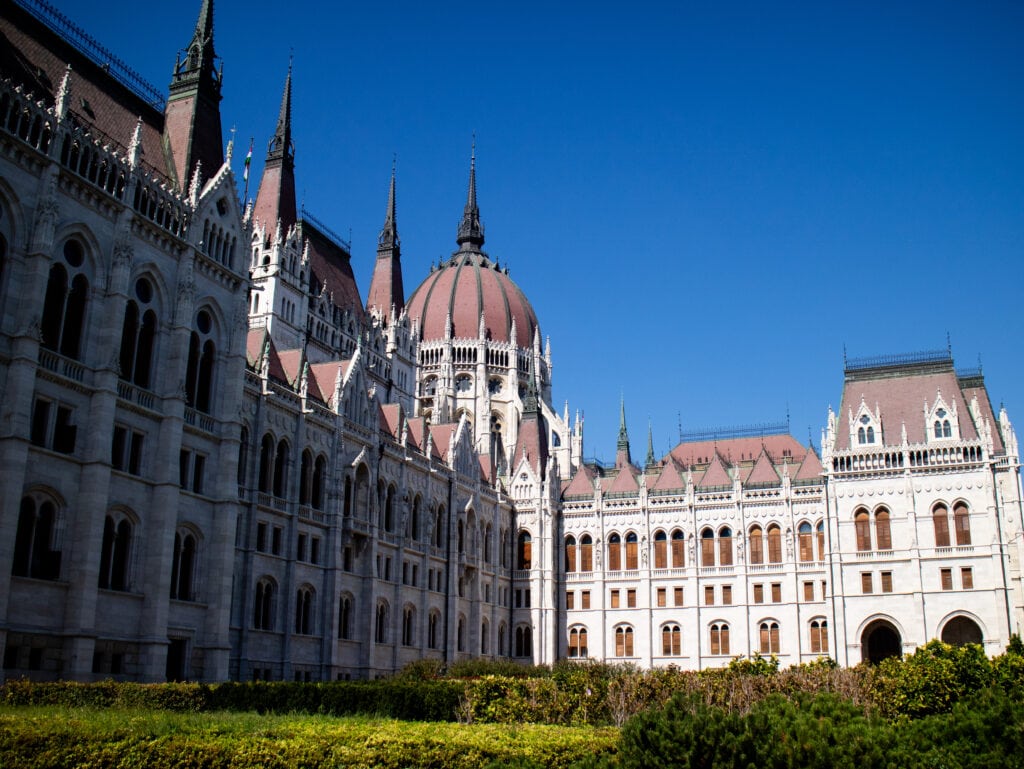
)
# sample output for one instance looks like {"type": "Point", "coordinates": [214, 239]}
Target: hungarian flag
{"type": "Point", "coordinates": [248, 161]}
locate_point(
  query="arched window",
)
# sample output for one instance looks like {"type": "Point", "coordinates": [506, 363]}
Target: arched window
{"type": "Point", "coordinates": [570, 553]}
{"type": "Point", "coordinates": [460, 538]}
{"type": "Point", "coordinates": [819, 532]}
{"type": "Point", "coordinates": [319, 474]}
{"type": "Point", "coordinates": [380, 634]}
{"type": "Point", "coordinates": [631, 551]}
{"type": "Point", "coordinates": [304, 611]}
{"type": "Point", "coordinates": [408, 618]}
{"type": "Point", "coordinates": [883, 535]}
{"type": "Point", "coordinates": [488, 535]}
{"type": "Point", "coordinates": [938, 428]}
{"type": "Point", "coordinates": [719, 638]}
{"type": "Point", "coordinates": [806, 536]}
{"type": "Point", "coordinates": [586, 553]}
{"type": "Point", "coordinates": [524, 557]}
{"type": "Point", "coordinates": [263, 605]}
{"type": "Point", "coordinates": [578, 643]}
{"type": "Point", "coordinates": [774, 543]}
{"type": "Point", "coordinates": [614, 552]}
{"type": "Point", "coordinates": [660, 550]}
{"type": "Point", "coordinates": [63, 318]}
{"type": "Point", "coordinates": [266, 464]}
{"type": "Point", "coordinates": [707, 548]}
{"type": "Point", "coordinates": [183, 566]}
{"type": "Point", "coordinates": [389, 509]}
{"type": "Point", "coordinates": [345, 617]}
{"type": "Point", "coordinates": [524, 641]}
{"type": "Point", "coordinates": [861, 435]}
{"type": "Point", "coordinates": [362, 502]}
{"type": "Point", "coordinates": [439, 527]}
{"type": "Point", "coordinates": [624, 641]}
{"type": "Point", "coordinates": [940, 521]}
{"type": "Point", "coordinates": [756, 545]}
{"type": "Point", "coordinates": [201, 356]}
{"type": "Point", "coordinates": [243, 456]}
{"type": "Point", "coordinates": [485, 640]}
{"type": "Point", "coordinates": [725, 546]}
{"type": "Point", "coordinates": [947, 430]}
{"type": "Point", "coordinates": [305, 477]}
{"type": "Point", "coordinates": [432, 630]}
{"type": "Point", "coordinates": [36, 551]}
{"type": "Point", "coordinates": [671, 641]}
{"type": "Point", "coordinates": [678, 549]}
{"type": "Point", "coordinates": [501, 639]}
{"type": "Point", "coordinates": [862, 523]}
{"type": "Point", "coordinates": [412, 530]}
{"type": "Point", "coordinates": [769, 638]}
{"type": "Point", "coordinates": [116, 552]}
{"type": "Point", "coordinates": [281, 469]}
{"type": "Point", "coordinates": [819, 636]}
{"type": "Point", "coordinates": [138, 335]}
{"type": "Point", "coordinates": [962, 523]}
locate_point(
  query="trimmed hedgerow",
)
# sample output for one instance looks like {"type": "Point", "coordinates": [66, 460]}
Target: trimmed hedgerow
{"type": "Point", "coordinates": [51, 737]}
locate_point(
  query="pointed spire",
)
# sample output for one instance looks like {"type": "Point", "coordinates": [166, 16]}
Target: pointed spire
{"type": "Point", "coordinates": [275, 200]}
{"type": "Point", "coordinates": [192, 129]}
{"type": "Point", "coordinates": [389, 233]}
{"type": "Point", "coordinates": [622, 457]}
{"type": "Point", "coordinates": [471, 231]}
{"type": "Point", "coordinates": [135, 148]}
{"type": "Point", "coordinates": [63, 92]}
{"type": "Point", "coordinates": [650, 446]}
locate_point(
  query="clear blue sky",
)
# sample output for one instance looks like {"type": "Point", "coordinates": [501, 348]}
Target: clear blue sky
{"type": "Point", "coordinates": [703, 201]}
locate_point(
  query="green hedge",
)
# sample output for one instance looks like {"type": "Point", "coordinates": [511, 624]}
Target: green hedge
{"type": "Point", "coordinates": [50, 737]}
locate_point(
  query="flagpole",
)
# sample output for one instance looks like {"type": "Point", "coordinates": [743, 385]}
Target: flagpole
{"type": "Point", "coordinates": [245, 174]}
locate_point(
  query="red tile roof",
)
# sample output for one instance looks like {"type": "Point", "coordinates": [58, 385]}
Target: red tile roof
{"type": "Point", "coordinates": [716, 474]}
{"type": "Point", "coordinates": [810, 469]}
{"type": "Point", "coordinates": [670, 478]}
{"type": "Point", "coordinates": [624, 482]}
{"type": "Point", "coordinates": [391, 419]}
{"type": "Point", "coordinates": [695, 453]}
{"type": "Point", "coordinates": [582, 484]}
{"type": "Point", "coordinates": [763, 471]}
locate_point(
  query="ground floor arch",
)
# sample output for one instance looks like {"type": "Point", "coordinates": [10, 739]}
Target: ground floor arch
{"type": "Point", "coordinates": [961, 630]}
{"type": "Point", "coordinates": [880, 640]}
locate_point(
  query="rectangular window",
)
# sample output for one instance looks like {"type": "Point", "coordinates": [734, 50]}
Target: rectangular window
{"type": "Point", "coordinates": [117, 447]}
{"type": "Point", "coordinates": [300, 548]}
{"type": "Point", "coordinates": [198, 471]}
{"type": "Point", "coordinates": [64, 432]}
{"type": "Point", "coordinates": [709, 595]}
{"type": "Point", "coordinates": [727, 595]}
{"type": "Point", "coordinates": [677, 596]}
{"type": "Point", "coordinates": [526, 598]}
{"type": "Point", "coordinates": [261, 537]}
{"type": "Point", "coordinates": [184, 462]}
{"type": "Point", "coordinates": [585, 599]}
{"type": "Point", "coordinates": [569, 599]}
{"type": "Point", "coordinates": [631, 598]}
{"type": "Point", "coordinates": [346, 559]}
{"type": "Point", "coordinates": [126, 450]}
{"type": "Point", "coordinates": [946, 576]}
{"type": "Point", "coordinates": [40, 421]}
{"type": "Point", "coordinates": [886, 581]}
{"type": "Point", "coordinates": [967, 577]}
{"type": "Point", "coordinates": [314, 555]}
{"type": "Point", "coordinates": [135, 453]}
{"type": "Point", "coordinates": [662, 596]}
{"type": "Point", "coordinates": [758, 593]}
{"type": "Point", "coordinates": [808, 591]}
{"type": "Point", "coordinates": [614, 599]}
{"type": "Point", "coordinates": [275, 547]}
{"type": "Point", "coordinates": [416, 578]}
{"type": "Point", "coordinates": [866, 584]}
{"type": "Point", "coordinates": [776, 592]}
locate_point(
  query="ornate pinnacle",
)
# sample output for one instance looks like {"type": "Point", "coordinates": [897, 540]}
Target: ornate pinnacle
{"type": "Point", "coordinates": [389, 233]}
{"type": "Point", "coordinates": [623, 442]}
{"type": "Point", "coordinates": [471, 231]}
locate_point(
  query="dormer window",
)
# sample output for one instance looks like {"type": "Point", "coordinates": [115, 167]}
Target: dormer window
{"type": "Point", "coordinates": [866, 431]}
{"type": "Point", "coordinates": [941, 423]}
{"type": "Point", "coordinates": [942, 427]}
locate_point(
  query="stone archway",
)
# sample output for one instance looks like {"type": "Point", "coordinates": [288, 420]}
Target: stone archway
{"type": "Point", "coordinates": [880, 640]}
{"type": "Point", "coordinates": [962, 630]}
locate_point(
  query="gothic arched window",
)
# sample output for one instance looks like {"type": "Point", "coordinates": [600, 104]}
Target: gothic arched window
{"type": "Point", "coordinates": [67, 292]}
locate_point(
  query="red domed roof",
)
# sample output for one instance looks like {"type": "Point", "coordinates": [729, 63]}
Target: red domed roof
{"type": "Point", "coordinates": [464, 287]}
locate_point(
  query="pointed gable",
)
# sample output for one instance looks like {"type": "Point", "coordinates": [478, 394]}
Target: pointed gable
{"type": "Point", "coordinates": [291, 364]}
{"type": "Point", "coordinates": [670, 479]}
{"type": "Point", "coordinates": [322, 377]}
{"type": "Point", "coordinates": [763, 472]}
{"type": "Point", "coordinates": [582, 484]}
{"type": "Point", "coordinates": [391, 419]}
{"type": "Point", "coordinates": [625, 482]}
{"type": "Point", "coordinates": [442, 436]}
{"type": "Point", "coordinates": [416, 435]}
{"type": "Point", "coordinates": [257, 341]}
{"type": "Point", "coordinates": [810, 469]}
{"type": "Point", "coordinates": [716, 474]}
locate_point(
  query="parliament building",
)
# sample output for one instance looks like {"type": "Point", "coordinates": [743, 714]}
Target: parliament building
{"type": "Point", "coordinates": [222, 460]}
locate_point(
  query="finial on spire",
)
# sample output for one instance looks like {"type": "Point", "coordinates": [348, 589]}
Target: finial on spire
{"type": "Point", "coordinates": [623, 442]}
{"type": "Point", "coordinates": [650, 445]}
{"type": "Point", "coordinates": [135, 148]}
{"type": "Point", "coordinates": [471, 231]}
{"type": "Point", "coordinates": [63, 91]}
{"type": "Point", "coordinates": [388, 237]}
{"type": "Point", "coordinates": [281, 145]}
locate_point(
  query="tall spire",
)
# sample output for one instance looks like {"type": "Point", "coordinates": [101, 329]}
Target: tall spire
{"type": "Point", "coordinates": [386, 290]}
{"type": "Point", "coordinates": [192, 130]}
{"type": "Point", "coordinates": [275, 201]}
{"type": "Point", "coordinates": [471, 231]}
{"type": "Point", "coordinates": [622, 445]}
{"type": "Point", "coordinates": [650, 446]}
